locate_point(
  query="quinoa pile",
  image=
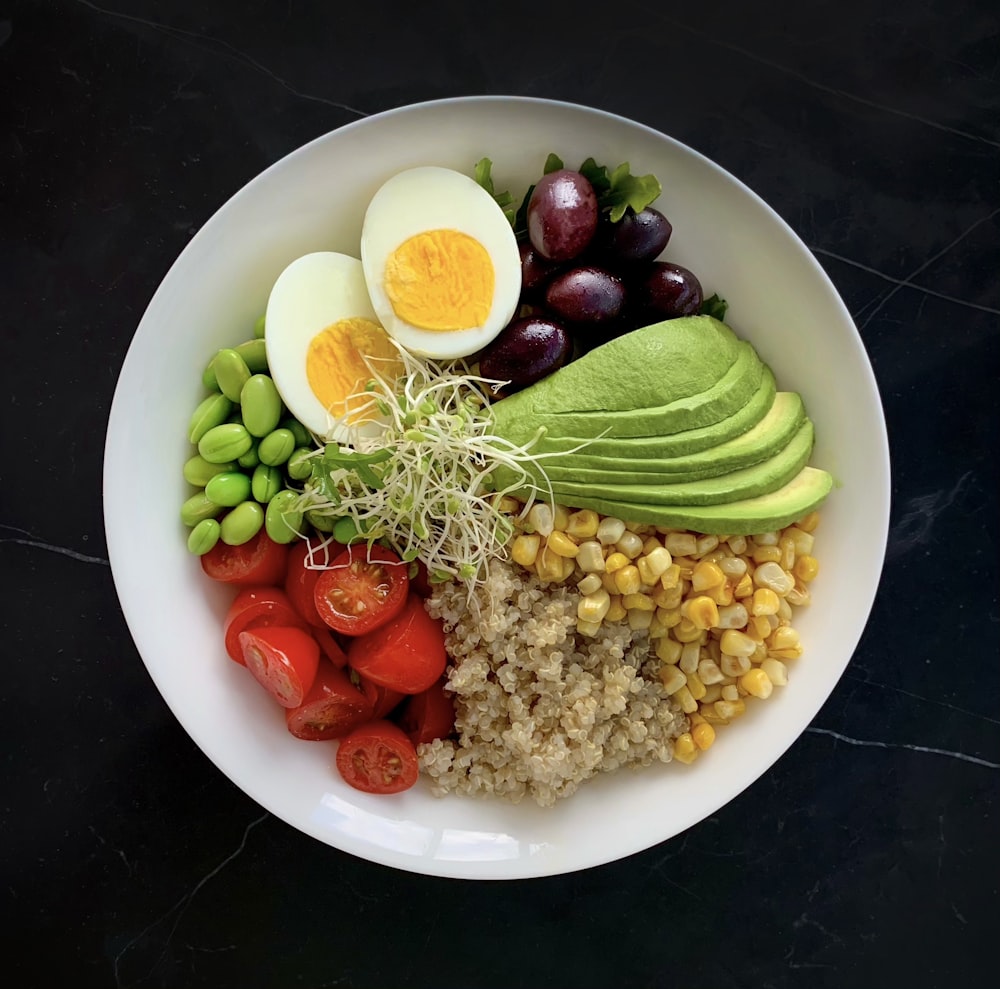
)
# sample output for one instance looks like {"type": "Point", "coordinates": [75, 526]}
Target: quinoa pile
{"type": "Point", "coordinates": [540, 708]}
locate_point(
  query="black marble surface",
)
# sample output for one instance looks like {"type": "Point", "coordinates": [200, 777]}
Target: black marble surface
{"type": "Point", "coordinates": [868, 856]}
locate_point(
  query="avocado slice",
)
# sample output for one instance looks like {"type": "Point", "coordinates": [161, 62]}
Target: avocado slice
{"type": "Point", "coordinates": [764, 440]}
{"type": "Point", "coordinates": [747, 482]}
{"type": "Point", "coordinates": [743, 517]}
{"type": "Point", "coordinates": [668, 444]}
{"type": "Point", "coordinates": [730, 393]}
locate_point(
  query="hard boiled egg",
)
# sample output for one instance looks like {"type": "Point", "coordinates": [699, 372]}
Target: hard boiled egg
{"type": "Point", "coordinates": [320, 327]}
{"type": "Point", "coordinates": [441, 262]}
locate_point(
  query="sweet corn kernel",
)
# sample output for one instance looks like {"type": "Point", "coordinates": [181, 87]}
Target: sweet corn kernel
{"type": "Point", "coordinates": [744, 587]}
{"type": "Point", "coordinates": [669, 651]}
{"type": "Point", "coordinates": [738, 544]}
{"type": "Point", "coordinates": [806, 567]}
{"type": "Point", "coordinates": [670, 599]}
{"type": "Point", "coordinates": [734, 666]}
{"type": "Point", "coordinates": [589, 629]}
{"type": "Point", "coordinates": [734, 643]}
{"type": "Point", "coordinates": [733, 566]}
{"type": "Point", "coordinates": [709, 672]}
{"type": "Point", "coordinates": [638, 602]}
{"type": "Point", "coordinates": [809, 522]}
{"type": "Point", "coordinates": [685, 749]}
{"type": "Point", "coordinates": [589, 584]}
{"type": "Point", "coordinates": [549, 566]}
{"type": "Point", "coordinates": [560, 517]}
{"type": "Point", "coordinates": [802, 541]}
{"type": "Point", "coordinates": [732, 616]}
{"type": "Point", "coordinates": [764, 602]}
{"type": "Point", "coordinates": [524, 549]}
{"type": "Point", "coordinates": [798, 596]}
{"type": "Point", "coordinates": [766, 539]}
{"type": "Point", "coordinates": [776, 671]}
{"type": "Point", "coordinates": [690, 653]}
{"type": "Point", "coordinates": [672, 678]}
{"type": "Point", "coordinates": [787, 546]}
{"type": "Point", "coordinates": [608, 580]}
{"type": "Point", "coordinates": [696, 687]}
{"type": "Point", "coordinates": [590, 558]}
{"type": "Point", "coordinates": [772, 576]}
{"type": "Point", "coordinates": [582, 524]}
{"type": "Point", "coordinates": [706, 575]}
{"type": "Point", "coordinates": [616, 610]}
{"type": "Point", "coordinates": [654, 564]}
{"type": "Point", "coordinates": [615, 561]}
{"type": "Point", "coordinates": [671, 577]}
{"type": "Point", "coordinates": [703, 735]}
{"type": "Point", "coordinates": [610, 530]}
{"type": "Point", "coordinates": [507, 505]}
{"type": "Point", "coordinates": [757, 683]}
{"type": "Point", "coordinates": [668, 617]}
{"type": "Point", "coordinates": [721, 594]}
{"type": "Point", "coordinates": [701, 611]}
{"type": "Point", "coordinates": [784, 637]}
{"type": "Point", "coordinates": [630, 544]}
{"type": "Point", "coordinates": [687, 702]}
{"type": "Point", "coordinates": [593, 607]}
{"type": "Point", "coordinates": [730, 709]}
{"type": "Point", "coordinates": [560, 544]}
{"type": "Point", "coordinates": [627, 579]}
{"type": "Point", "coordinates": [680, 543]}
{"type": "Point", "coordinates": [766, 554]}
{"type": "Point", "coordinates": [540, 518]}
{"type": "Point", "coordinates": [760, 627]}
{"type": "Point", "coordinates": [705, 544]}
{"type": "Point", "coordinates": [713, 692]}
{"type": "Point", "coordinates": [686, 631]}
{"type": "Point", "coordinates": [649, 544]}
{"type": "Point", "coordinates": [638, 620]}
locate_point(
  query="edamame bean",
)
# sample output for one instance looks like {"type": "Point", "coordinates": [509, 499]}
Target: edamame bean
{"type": "Point", "coordinates": [300, 463]}
{"type": "Point", "coordinates": [208, 378]}
{"type": "Point", "coordinates": [281, 521]}
{"type": "Point", "coordinates": [260, 404]}
{"type": "Point", "coordinates": [226, 442]}
{"type": "Point", "coordinates": [211, 411]}
{"type": "Point", "coordinates": [249, 460]}
{"type": "Point", "coordinates": [301, 434]}
{"type": "Point", "coordinates": [228, 489]}
{"type": "Point", "coordinates": [320, 522]}
{"type": "Point", "coordinates": [198, 471]}
{"type": "Point", "coordinates": [241, 523]}
{"type": "Point", "coordinates": [258, 328]}
{"type": "Point", "coordinates": [266, 482]}
{"type": "Point", "coordinates": [204, 536]}
{"type": "Point", "coordinates": [254, 352]}
{"type": "Point", "coordinates": [345, 531]}
{"type": "Point", "coordinates": [199, 506]}
{"type": "Point", "coordinates": [275, 448]}
{"type": "Point", "coordinates": [231, 372]}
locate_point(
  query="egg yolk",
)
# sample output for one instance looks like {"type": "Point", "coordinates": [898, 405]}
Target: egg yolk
{"type": "Point", "coordinates": [440, 280]}
{"type": "Point", "coordinates": [336, 368]}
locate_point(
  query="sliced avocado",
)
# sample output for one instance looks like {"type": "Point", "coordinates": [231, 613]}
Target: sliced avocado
{"type": "Point", "coordinates": [764, 440]}
{"type": "Point", "coordinates": [802, 494]}
{"type": "Point", "coordinates": [748, 482]}
{"type": "Point", "coordinates": [726, 396]}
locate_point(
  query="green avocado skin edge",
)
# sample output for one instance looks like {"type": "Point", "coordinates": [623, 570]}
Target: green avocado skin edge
{"type": "Point", "coordinates": [731, 457]}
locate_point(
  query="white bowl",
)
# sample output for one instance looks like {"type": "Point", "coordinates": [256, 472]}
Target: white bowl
{"type": "Point", "coordinates": [313, 199]}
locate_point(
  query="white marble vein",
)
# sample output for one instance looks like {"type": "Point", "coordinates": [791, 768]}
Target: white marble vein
{"type": "Point", "coordinates": [905, 745]}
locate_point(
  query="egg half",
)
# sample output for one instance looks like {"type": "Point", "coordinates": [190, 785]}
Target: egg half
{"type": "Point", "coordinates": [320, 327]}
{"type": "Point", "coordinates": [441, 262]}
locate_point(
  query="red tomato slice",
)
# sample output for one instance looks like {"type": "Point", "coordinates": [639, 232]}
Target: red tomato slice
{"type": "Point", "coordinates": [383, 699]}
{"type": "Point", "coordinates": [254, 607]}
{"type": "Point", "coordinates": [332, 707]}
{"type": "Point", "coordinates": [364, 588]}
{"type": "Point", "coordinates": [330, 647]}
{"type": "Point", "coordinates": [259, 561]}
{"type": "Point", "coordinates": [283, 659]}
{"type": "Point", "coordinates": [420, 581]}
{"type": "Point", "coordinates": [429, 714]}
{"type": "Point", "coordinates": [300, 579]}
{"type": "Point", "coordinates": [406, 653]}
{"type": "Point", "coordinates": [377, 757]}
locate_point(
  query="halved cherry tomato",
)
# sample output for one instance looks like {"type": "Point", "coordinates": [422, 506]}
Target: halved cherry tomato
{"type": "Point", "coordinates": [383, 699]}
{"type": "Point", "coordinates": [420, 581]}
{"type": "Point", "coordinates": [332, 707]}
{"type": "Point", "coordinates": [428, 715]}
{"type": "Point", "coordinates": [259, 561]}
{"type": "Point", "coordinates": [377, 757]}
{"type": "Point", "coordinates": [364, 588]}
{"type": "Point", "coordinates": [254, 607]}
{"type": "Point", "coordinates": [330, 647]}
{"type": "Point", "coordinates": [300, 579]}
{"type": "Point", "coordinates": [407, 653]}
{"type": "Point", "coordinates": [283, 660]}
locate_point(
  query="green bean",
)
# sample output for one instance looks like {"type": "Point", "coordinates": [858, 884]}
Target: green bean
{"type": "Point", "coordinates": [301, 434]}
{"type": "Point", "coordinates": [254, 352]}
{"type": "Point", "coordinates": [241, 523]}
{"type": "Point", "coordinates": [211, 411]}
{"type": "Point", "coordinates": [275, 448]}
{"type": "Point", "coordinates": [300, 463]}
{"type": "Point", "coordinates": [282, 520]}
{"type": "Point", "coordinates": [208, 378]}
{"type": "Point", "coordinates": [199, 506]}
{"type": "Point", "coordinates": [345, 531]}
{"type": "Point", "coordinates": [228, 489]}
{"type": "Point", "coordinates": [204, 536]}
{"type": "Point", "coordinates": [198, 471]}
{"type": "Point", "coordinates": [260, 404]}
{"type": "Point", "coordinates": [249, 460]}
{"type": "Point", "coordinates": [226, 442]}
{"type": "Point", "coordinates": [258, 328]}
{"type": "Point", "coordinates": [231, 372]}
{"type": "Point", "coordinates": [320, 522]}
{"type": "Point", "coordinates": [266, 482]}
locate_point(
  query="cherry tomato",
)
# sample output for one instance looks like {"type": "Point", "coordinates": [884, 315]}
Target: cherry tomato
{"type": "Point", "coordinates": [420, 582]}
{"type": "Point", "coordinates": [332, 707]}
{"type": "Point", "coordinates": [377, 757]}
{"type": "Point", "coordinates": [364, 588]}
{"type": "Point", "coordinates": [407, 653]}
{"type": "Point", "coordinates": [429, 714]}
{"type": "Point", "coordinates": [284, 659]}
{"type": "Point", "coordinates": [330, 647]}
{"type": "Point", "coordinates": [254, 607]}
{"type": "Point", "coordinates": [300, 579]}
{"type": "Point", "coordinates": [259, 561]}
{"type": "Point", "coordinates": [383, 699]}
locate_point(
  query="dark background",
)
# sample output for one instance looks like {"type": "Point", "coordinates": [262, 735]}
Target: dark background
{"type": "Point", "coordinates": [868, 856]}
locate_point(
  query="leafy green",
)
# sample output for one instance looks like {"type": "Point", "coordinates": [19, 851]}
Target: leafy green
{"type": "Point", "coordinates": [336, 458]}
{"type": "Point", "coordinates": [625, 190]}
{"type": "Point", "coordinates": [714, 306]}
{"type": "Point", "coordinates": [552, 164]}
{"type": "Point", "coordinates": [483, 175]}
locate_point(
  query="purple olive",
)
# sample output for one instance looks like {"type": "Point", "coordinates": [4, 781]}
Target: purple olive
{"type": "Point", "coordinates": [585, 295]}
{"type": "Point", "coordinates": [669, 290]}
{"type": "Point", "coordinates": [562, 214]}
{"type": "Point", "coordinates": [526, 350]}
{"type": "Point", "coordinates": [635, 238]}
{"type": "Point", "coordinates": [535, 272]}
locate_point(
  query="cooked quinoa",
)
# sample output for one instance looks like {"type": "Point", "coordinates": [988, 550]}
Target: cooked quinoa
{"type": "Point", "coordinates": [539, 707]}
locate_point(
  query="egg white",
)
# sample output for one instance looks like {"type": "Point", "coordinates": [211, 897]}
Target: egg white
{"type": "Point", "coordinates": [313, 292]}
{"type": "Point", "coordinates": [428, 198]}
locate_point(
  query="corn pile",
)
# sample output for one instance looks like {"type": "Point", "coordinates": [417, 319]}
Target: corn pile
{"type": "Point", "coordinates": [718, 608]}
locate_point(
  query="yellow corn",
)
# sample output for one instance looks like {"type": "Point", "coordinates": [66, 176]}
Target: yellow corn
{"type": "Point", "coordinates": [540, 518]}
{"type": "Point", "coordinates": [680, 543]}
{"type": "Point", "coordinates": [615, 561]}
{"type": "Point", "coordinates": [616, 610]}
{"type": "Point", "coordinates": [685, 749]}
{"type": "Point", "coordinates": [806, 568]}
{"type": "Point", "coordinates": [550, 566]}
{"type": "Point", "coordinates": [589, 584]}
{"type": "Point", "coordinates": [609, 530]}
{"type": "Point", "coordinates": [588, 628]}
{"type": "Point", "coordinates": [809, 522]}
{"type": "Point", "coordinates": [701, 611]}
{"type": "Point", "coordinates": [560, 516]}
{"type": "Point", "coordinates": [730, 709]}
{"type": "Point", "coordinates": [638, 620]}
{"type": "Point", "coordinates": [590, 558]}
{"type": "Point", "coordinates": [766, 554]}
{"type": "Point", "coordinates": [582, 524]}
{"type": "Point", "coordinates": [594, 607]}
{"type": "Point", "coordinates": [787, 546]}
{"type": "Point", "coordinates": [713, 692]}
{"type": "Point", "coordinates": [784, 637]}
{"type": "Point", "coordinates": [686, 700]}
{"type": "Point", "coordinates": [735, 643]}
{"type": "Point", "coordinates": [734, 666]}
{"type": "Point", "coordinates": [776, 671]}
{"type": "Point", "coordinates": [771, 575]}
{"type": "Point", "coordinates": [608, 580]}
{"type": "Point", "coordinates": [672, 678]}
{"type": "Point", "coordinates": [706, 575]}
{"type": "Point", "coordinates": [507, 505]}
{"type": "Point", "coordinates": [627, 579]}
{"type": "Point", "coordinates": [764, 602]}
{"type": "Point", "coordinates": [671, 577]}
{"type": "Point", "coordinates": [560, 544]}
{"type": "Point", "coordinates": [524, 549]}
{"type": "Point", "coordinates": [630, 544]}
{"type": "Point", "coordinates": [744, 587]}
{"type": "Point", "coordinates": [686, 631]}
{"type": "Point", "coordinates": [703, 734]}
{"type": "Point", "coordinates": [757, 683]}
{"type": "Point", "coordinates": [649, 544]}
{"type": "Point", "coordinates": [653, 565]}
{"type": "Point", "coordinates": [697, 688]}
{"type": "Point", "coordinates": [638, 602]}
{"type": "Point", "coordinates": [669, 650]}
